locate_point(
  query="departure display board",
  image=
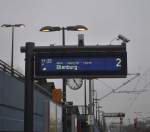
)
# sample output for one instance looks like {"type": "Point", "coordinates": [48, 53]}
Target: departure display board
{"type": "Point", "coordinates": [105, 64]}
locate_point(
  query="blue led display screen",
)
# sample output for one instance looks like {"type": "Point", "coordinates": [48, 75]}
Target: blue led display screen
{"type": "Point", "coordinates": [81, 65]}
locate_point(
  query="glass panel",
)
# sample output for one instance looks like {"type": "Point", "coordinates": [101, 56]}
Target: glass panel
{"type": "Point", "coordinates": [59, 118]}
{"type": "Point", "coordinates": [53, 123]}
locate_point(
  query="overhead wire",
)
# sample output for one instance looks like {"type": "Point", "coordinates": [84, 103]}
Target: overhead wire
{"type": "Point", "coordinates": [125, 83]}
{"type": "Point", "coordinates": [145, 74]}
{"type": "Point", "coordinates": [106, 85]}
{"type": "Point", "coordinates": [135, 87]}
{"type": "Point", "coordinates": [120, 86]}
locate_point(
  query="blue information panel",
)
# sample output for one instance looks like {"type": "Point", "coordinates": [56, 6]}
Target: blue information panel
{"type": "Point", "coordinates": [81, 65]}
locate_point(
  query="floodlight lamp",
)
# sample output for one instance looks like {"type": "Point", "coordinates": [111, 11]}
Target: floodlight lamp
{"type": "Point", "coordinates": [6, 25]}
{"type": "Point", "coordinates": [77, 28]}
{"type": "Point", "coordinates": [81, 29]}
{"type": "Point", "coordinates": [19, 25]}
{"type": "Point", "coordinates": [16, 25]}
{"type": "Point", "coordinates": [50, 29]}
{"type": "Point", "coordinates": [44, 30]}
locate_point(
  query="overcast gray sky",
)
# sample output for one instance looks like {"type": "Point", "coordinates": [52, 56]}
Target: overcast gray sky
{"type": "Point", "coordinates": [105, 19]}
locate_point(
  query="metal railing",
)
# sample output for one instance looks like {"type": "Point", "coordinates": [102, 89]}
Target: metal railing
{"type": "Point", "coordinates": [7, 68]}
{"type": "Point", "coordinates": [14, 73]}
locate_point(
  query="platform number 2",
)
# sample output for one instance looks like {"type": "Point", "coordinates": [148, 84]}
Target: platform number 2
{"type": "Point", "coordinates": [118, 60]}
